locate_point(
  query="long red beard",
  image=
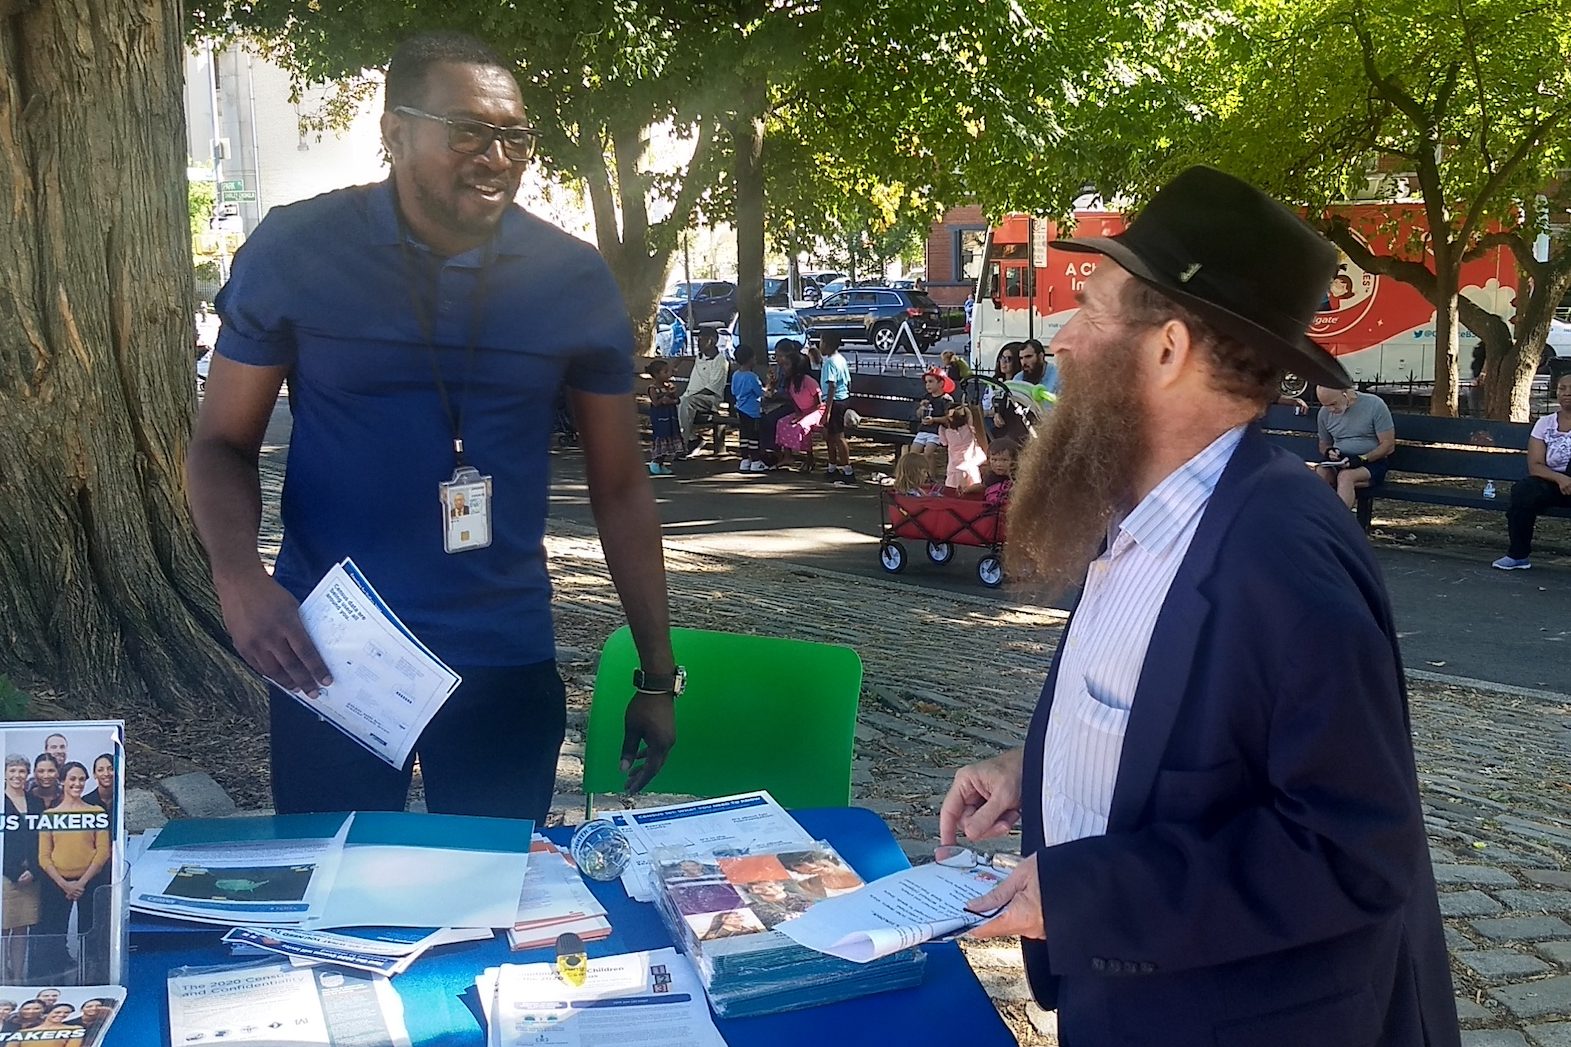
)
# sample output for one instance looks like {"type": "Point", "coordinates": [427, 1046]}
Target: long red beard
{"type": "Point", "coordinates": [1080, 469]}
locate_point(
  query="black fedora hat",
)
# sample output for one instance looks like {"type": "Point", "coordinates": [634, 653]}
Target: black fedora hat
{"type": "Point", "coordinates": [1238, 258]}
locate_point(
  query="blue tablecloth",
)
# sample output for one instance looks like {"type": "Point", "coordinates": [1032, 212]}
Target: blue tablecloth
{"type": "Point", "coordinates": [948, 1007]}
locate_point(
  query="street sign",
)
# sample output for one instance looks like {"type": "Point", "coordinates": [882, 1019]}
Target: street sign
{"type": "Point", "coordinates": [239, 196]}
{"type": "Point", "coordinates": [1039, 243]}
{"type": "Point", "coordinates": [235, 186]}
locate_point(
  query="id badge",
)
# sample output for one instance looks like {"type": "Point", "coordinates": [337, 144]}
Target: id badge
{"type": "Point", "coordinates": [466, 511]}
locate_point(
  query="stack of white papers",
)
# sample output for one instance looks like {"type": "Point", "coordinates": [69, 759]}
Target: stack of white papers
{"type": "Point", "coordinates": [378, 950]}
{"type": "Point", "coordinates": [894, 913]}
{"type": "Point", "coordinates": [387, 685]}
{"type": "Point", "coordinates": [555, 901]}
{"type": "Point", "coordinates": [651, 998]}
{"type": "Point", "coordinates": [743, 823]}
{"type": "Point", "coordinates": [324, 871]}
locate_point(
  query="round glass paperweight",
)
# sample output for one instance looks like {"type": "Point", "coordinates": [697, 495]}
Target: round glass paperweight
{"type": "Point", "coordinates": [600, 850]}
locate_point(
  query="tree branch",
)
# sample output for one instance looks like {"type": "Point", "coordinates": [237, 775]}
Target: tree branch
{"type": "Point", "coordinates": [1489, 327]}
{"type": "Point", "coordinates": [1388, 89]}
{"type": "Point", "coordinates": [1478, 81]}
{"type": "Point", "coordinates": [1498, 178]}
{"type": "Point", "coordinates": [1512, 241]}
{"type": "Point", "coordinates": [1414, 274]}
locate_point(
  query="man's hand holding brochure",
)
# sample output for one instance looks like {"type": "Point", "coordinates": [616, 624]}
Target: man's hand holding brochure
{"type": "Point", "coordinates": [387, 685]}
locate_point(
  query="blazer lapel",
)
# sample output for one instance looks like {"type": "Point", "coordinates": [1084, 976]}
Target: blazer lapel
{"type": "Point", "coordinates": [1164, 677]}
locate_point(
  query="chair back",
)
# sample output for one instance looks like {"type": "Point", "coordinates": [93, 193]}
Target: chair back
{"type": "Point", "coordinates": [759, 712]}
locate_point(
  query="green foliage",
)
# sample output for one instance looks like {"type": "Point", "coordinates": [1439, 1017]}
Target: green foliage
{"type": "Point", "coordinates": [13, 702]}
{"type": "Point", "coordinates": [200, 197]}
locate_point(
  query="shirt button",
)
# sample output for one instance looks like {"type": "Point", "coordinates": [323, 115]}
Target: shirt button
{"type": "Point", "coordinates": [1147, 967]}
{"type": "Point", "coordinates": [1098, 964]}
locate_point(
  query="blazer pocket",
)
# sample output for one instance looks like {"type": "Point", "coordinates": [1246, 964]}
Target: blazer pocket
{"type": "Point", "coordinates": [1348, 1020]}
{"type": "Point", "coordinates": [1182, 795]}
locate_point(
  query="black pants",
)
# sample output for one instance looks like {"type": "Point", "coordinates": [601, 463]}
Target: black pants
{"type": "Point", "coordinates": [768, 423]}
{"type": "Point", "coordinates": [49, 948]}
{"type": "Point", "coordinates": [748, 435]}
{"type": "Point", "coordinates": [1529, 497]}
{"type": "Point", "coordinates": [490, 751]}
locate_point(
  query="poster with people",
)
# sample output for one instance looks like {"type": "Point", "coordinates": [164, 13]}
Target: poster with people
{"type": "Point", "coordinates": [62, 844]}
{"type": "Point", "coordinates": [64, 1016]}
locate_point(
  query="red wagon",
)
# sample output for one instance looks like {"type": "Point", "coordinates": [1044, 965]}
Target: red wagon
{"type": "Point", "coordinates": [943, 522]}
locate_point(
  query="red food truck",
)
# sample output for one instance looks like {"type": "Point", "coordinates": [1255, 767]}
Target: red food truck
{"type": "Point", "coordinates": [1382, 329]}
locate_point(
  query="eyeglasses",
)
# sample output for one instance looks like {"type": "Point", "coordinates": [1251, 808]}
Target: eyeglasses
{"type": "Point", "coordinates": [473, 137]}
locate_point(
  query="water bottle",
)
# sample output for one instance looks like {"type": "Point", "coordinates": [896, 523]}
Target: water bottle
{"type": "Point", "coordinates": [600, 850]}
{"type": "Point", "coordinates": [1489, 489]}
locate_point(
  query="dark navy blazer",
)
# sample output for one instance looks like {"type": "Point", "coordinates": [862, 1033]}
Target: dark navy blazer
{"type": "Point", "coordinates": [1264, 879]}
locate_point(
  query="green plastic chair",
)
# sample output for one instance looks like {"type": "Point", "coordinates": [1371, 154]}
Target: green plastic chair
{"type": "Point", "coordinates": [759, 712]}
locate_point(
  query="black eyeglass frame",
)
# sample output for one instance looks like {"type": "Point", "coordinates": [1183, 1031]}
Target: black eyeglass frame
{"type": "Point", "coordinates": [530, 143]}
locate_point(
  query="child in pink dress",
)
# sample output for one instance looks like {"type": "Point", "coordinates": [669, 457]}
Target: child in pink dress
{"type": "Point", "coordinates": [961, 432]}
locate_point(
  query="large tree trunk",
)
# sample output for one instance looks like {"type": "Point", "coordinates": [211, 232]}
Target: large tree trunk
{"type": "Point", "coordinates": [1443, 401]}
{"type": "Point", "coordinates": [748, 138]}
{"type": "Point", "coordinates": [104, 589]}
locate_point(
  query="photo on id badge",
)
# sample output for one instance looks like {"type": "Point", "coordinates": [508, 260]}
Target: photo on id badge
{"type": "Point", "coordinates": [466, 511]}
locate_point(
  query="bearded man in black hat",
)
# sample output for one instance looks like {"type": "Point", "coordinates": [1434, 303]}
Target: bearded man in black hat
{"type": "Point", "coordinates": [1221, 830]}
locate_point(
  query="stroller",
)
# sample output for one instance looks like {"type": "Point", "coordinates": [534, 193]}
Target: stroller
{"type": "Point", "coordinates": [943, 522]}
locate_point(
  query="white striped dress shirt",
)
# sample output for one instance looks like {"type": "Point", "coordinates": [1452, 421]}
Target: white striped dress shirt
{"type": "Point", "coordinates": [1107, 641]}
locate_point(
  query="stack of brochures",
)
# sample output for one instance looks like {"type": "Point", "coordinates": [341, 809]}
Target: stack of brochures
{"type": "Point", "coordinates": [555, 901]}
{"type": "Point", "coordinates": [724, 911]}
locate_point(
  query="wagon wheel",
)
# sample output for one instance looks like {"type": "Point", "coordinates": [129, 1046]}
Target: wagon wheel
{"type": "Point", "coordinates": [892, 555]}
{"type": "Point", "coordinates": [990, 571]}
{"type": "Point", "coordinates": [940, 552]}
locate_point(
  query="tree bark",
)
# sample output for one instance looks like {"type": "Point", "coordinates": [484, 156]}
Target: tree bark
{"type": "Point", "coordinates": [104, 589]}
{"type": "Point", "coordinates": [748, 138]}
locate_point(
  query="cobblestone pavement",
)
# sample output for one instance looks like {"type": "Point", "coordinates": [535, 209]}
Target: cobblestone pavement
{"type": "Point", "coordinates": [953, 678]}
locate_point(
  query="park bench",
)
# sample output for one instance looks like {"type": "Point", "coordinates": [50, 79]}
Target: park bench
{"type": "Point", "coordinates": [715, 422]}
{"type": "Point", "coordinates": [1437, 461]}
{"type": "Point", "coordinates": [887, 404]}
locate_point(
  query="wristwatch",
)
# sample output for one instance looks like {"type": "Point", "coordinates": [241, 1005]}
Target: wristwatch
{"type": "Point", "coordinates": [649, 683]}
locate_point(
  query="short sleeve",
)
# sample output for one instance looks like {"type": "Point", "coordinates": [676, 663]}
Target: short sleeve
{"type": "Point", "coordinates": [1383, 420]}
{"type": "Point", "coordinates": [1321, 427]}
{"type": "Point", "coordinates": [253, 306]}
{"type": "Point", "coordinates": [1541, 428]}
{"type": "Point", "coordinates": [603, 361]}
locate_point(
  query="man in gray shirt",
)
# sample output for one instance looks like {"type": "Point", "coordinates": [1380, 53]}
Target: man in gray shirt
{"type": "Point", "coordinates": [1357, 437]}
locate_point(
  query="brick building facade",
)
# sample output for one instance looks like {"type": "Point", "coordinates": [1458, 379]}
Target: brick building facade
{"type": "Point", "coordinates": [954, 254]}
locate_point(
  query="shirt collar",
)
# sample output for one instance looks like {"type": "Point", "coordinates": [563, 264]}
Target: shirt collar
{"type": "Point", "coordinates": [387, 230]}
{"type": "Point", "coordinates": [1173, 504]}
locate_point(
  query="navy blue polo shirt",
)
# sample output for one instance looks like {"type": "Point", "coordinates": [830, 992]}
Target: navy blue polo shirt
{"type": "Point", "coordinates": [323, 287]}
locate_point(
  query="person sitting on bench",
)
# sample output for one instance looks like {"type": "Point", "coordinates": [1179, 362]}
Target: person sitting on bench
{"type": "Point", "coordinates": [706, 387]}
{"type": "Point", "coordinates": [1357, 437]}
{"type": "Point", "coordinates": [1546, 484]}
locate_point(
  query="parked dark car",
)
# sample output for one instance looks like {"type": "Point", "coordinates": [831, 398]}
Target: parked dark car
{"type": "Point", "coordinates": [714, 301]}
{"type": "Point", "coordinates": [874, 315]}
{"type": "Point", "coordinates": [777, 291]}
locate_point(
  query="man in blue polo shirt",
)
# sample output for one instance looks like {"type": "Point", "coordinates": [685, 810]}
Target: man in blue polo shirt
{"type": "Point", "coordinates": [425, 325]}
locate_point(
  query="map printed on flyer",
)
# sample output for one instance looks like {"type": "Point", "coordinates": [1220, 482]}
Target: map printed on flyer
{"type": "Point", "coordinates": [69, 1016]}
{"type": "Point", "coordinates": [62, 850]}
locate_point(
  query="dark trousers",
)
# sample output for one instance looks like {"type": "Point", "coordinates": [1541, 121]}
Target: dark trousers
{"type": "Point", "coordinates": [748, 438]}
{"type": "Point", "coordinates": [1529, 497]}
{"type": "Point", "coordinates": [491, 750]}
{"type": "Point", "coordinates": [49, 933]}
{"type": "Point", "coordinates": [766, 426]}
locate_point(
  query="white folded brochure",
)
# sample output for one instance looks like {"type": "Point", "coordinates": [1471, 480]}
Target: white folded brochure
{"type": "Point", "coordinates": [893, 913]}
{"type": "Point", "coordinates": [276, 1005]}
{"type": "Point", "coordinates": [382, 950]}
{"type": "Point", "coordinates": [387, 685]}
{"type": "Point", "coordinates": [652, 998]}
{"type": "Point", "coordinates": [742, 823]}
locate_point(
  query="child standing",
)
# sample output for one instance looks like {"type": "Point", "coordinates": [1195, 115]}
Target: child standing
{"type": "Point", "coordinates": [961, 433]}
{"type": "Point", "coordinates": [666, 431]}
{"type": "Point", "coordinates": [747, 395]}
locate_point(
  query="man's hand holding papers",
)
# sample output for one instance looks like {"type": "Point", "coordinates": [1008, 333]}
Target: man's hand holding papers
{"type": "Point", "coordinates": [1020, 899]}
